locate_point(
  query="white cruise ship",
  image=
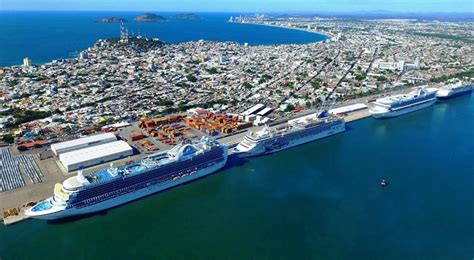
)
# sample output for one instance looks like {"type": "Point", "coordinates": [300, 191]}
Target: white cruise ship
{"type": "Point", "coordinates": [453, 90]}
{"type": "Point", "coordinates": [295, 132]}
{"type": "Point", "coordinates": [402, 104]}
{"type": "Point", "coordinates": [114, 186]}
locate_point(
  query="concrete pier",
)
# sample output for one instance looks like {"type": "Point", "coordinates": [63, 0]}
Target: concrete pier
{"type": "Point", "coordinates": [234, 139]}
{"type": "Point", "coordinates": [16, 218]}
{"type": "Point", "coordinates": [37, 192]}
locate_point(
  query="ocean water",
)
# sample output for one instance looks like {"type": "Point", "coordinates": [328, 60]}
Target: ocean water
{"type": "Point", "coordinates": [322, 200]}
{"type": "Point", "coordinates": [44, 36]}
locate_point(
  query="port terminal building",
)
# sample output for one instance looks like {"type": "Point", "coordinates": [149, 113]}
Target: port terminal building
{"type": "Point", "coordinates": [81, 143]}
{"type": "Point", "coordinates": [348, 109]}
{"type": "Point", "coordinates": [89, 151]}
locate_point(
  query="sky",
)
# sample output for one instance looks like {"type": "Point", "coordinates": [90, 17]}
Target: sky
{"type": "Point", "coordinates": [464, 6]}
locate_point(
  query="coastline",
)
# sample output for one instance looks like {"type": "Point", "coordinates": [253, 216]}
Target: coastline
{"type": "Point", "coordinates": [40, 53]}
{"type": "Point", "coordinates": [328, 36]}
{"type": "Point", "coordinates": [344, 176]}
{"type": "Point", "coordinates": [404, 181]}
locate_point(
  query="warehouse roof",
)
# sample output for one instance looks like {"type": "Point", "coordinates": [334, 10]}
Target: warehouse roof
{"type": "Point", "coordinates": [348, 109]}
{"type": "Point", "coordinates": [265, 111]}
{"type": "Point", "coordinates": [94, 152]}
{"type": "Point", "coordinates": [84, 140]}
{"type": "Point", "coordinates": [254, 109]}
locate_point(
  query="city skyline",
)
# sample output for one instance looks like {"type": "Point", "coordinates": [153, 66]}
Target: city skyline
{"type": "Point", "coordinates": [345, 6]}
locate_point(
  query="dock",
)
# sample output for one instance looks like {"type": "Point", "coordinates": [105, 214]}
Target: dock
{"type": "Point", "coordinates": [14, 215]}
{"type": "Point", "coordinates": [15, 218]}
{"type": "Point", "coordinates": [233, 140]}
{"type": "Point", "coordinates": [357, 116]}
{"type": "Point", "coordinates": [37, 191]}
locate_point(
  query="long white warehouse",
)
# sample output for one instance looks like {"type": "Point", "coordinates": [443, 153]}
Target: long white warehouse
{"type": "Point", "coordinates": [93, 155]}
{"type": "Point", "coordinates": [254, 109]}
{"type": "Point", "coordinates": [265, 111]}
{"type": "Point", "coordinates": [348, 109]}
{"type": "Point", "coordinates": [83, 142]}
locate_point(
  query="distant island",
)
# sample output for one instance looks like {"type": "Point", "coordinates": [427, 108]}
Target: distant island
{"type": "Point", "coordinates": [149, 17]}
{"type": "Point", "coordinates": [186, 16]}
{"type": "Point", "coordinates": [112, 20]}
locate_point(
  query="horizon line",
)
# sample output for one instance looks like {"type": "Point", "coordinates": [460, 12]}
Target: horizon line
{"type": "Point", "coordinates": [252, 12]}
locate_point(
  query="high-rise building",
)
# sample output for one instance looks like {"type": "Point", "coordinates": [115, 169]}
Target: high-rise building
{"type": "Point", "coordinates": [123, 34]}
{"type": "Point", "coordinates": [83, 55]}
{"type": "Point", "coordinates": [27, 62]}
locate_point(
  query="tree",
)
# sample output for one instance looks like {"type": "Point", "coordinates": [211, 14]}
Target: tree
{"type": "Point", "coordinates": [316, 84]}
{"type": "Point", "coordinates": [8, 139]}
{"type": "Point", "coordinates": [191, 78]}
{"type": "Point", "coordinates": [247, 85]}
{"type": "Point", "coordinates": [289, 108]}
{"type": "Point", "coordinates": [212, 71]}
{"type": "Point", "coordinates": [360, 76]}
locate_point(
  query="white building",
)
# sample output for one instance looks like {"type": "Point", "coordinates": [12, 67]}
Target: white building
{"type": "Point", "coordinates": [223, 60]}
{"type": "Point", "coordinates": [82, 143]}
{"type": "Point", "coordinates": [94, 155]}
{"type": "Point", "coordinates": [253, 109]}
{"type": "Point", "coordinates": [390, 65]}
{"type": "Point", "coordinates": [348, 109]}
{"type": "Point", "coordinates": [83, 55]}
{"type": "Point", "coordinates": [265, 111]}
{"type": "Point", "coordinates": [27, 62]}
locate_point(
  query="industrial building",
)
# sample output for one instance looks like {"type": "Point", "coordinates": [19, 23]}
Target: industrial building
{"type": "Point", "coordinates": [265, 111]}
{"type": "Point", "coordinates": [253, 109]}
{"type": "Point", "coordinates": [93, 155]}
{"type": "Point", "coordinates": [81, 143]}
{"type": "Point", "coordinates": [348, 109]}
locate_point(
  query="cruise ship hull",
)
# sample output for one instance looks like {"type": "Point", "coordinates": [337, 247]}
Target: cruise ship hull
{"type": "Point", "coordinates": [395, 113]}
{"type": "Point", "coordinates": [70, 212]}
{"type": "Point", "coordinates": [262, 150]}
{"type": "Point", "coordinates": [443, 95]}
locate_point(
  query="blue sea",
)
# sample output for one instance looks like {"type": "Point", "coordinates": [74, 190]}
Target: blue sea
{"type": "Point", "coordinates": [322, 200]}
{"type": "Point", "coordinates": [44, 36]}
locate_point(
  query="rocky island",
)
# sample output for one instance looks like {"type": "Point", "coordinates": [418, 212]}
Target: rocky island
{"type": "Point", "coordinates": [149, 17]}
{"type": "Point", "coordinates": [112, 20]}
{"type": "Point", "coordinates": [186, 16]}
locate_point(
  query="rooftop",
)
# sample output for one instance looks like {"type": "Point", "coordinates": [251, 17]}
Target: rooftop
{"type": "Point", "coordinates": [84, 140]}
{"type": "Point", "coordinates": [93, 152]}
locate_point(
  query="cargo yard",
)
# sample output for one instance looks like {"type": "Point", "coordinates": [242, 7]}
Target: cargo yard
{"type": "Point", "coordinates": [94, 111]}
{"type": "Point", "coordinates": [45, 166]}
{"type": "Point", "coordinates": [29, 176]}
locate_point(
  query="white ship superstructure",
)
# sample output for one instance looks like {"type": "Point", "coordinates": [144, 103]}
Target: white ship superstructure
{"type": "Point", "coordinates": [114, 186]}
{"type": "Point", "coordinates": [401, 104]}
{"type": "Point", "coordinates": [295, 132]}
{"type": "Point", "coordinates": [453, 90]}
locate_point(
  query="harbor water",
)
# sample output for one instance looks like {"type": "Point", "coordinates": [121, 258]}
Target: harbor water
{"type": "Point", "coordinates": [44, 36]}
{"type": "Point", "coordinates": [322, 200]}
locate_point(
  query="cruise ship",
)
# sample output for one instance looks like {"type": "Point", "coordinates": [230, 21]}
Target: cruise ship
{"type": "Point", "coordinates": [114, 186]}
{"type": "Point", "coordinates": [295, 132]}
{"type": "Point", "coordinates": [401, 104]}
{"type": "Point", "coordinates": [453, 90]}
